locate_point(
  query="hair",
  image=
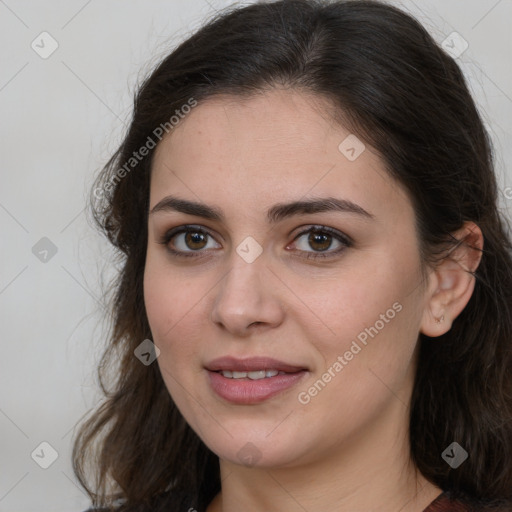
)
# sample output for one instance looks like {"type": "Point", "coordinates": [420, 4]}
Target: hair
{"type": "Point", "coordinates": [389, 82]}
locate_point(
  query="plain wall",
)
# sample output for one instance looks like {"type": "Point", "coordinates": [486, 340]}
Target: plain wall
{"type": "Point", "coordinates": [61, 118]}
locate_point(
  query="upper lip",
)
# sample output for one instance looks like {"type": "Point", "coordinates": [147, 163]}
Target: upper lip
{"type": "Point", "coordinates": [251, 364]}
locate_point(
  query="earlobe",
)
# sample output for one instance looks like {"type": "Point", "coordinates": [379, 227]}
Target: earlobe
{"type": "Point", "coordinates": [452, 282]}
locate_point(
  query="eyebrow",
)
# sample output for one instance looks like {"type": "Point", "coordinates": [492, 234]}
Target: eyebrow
{"type": "Point", "coordinates": [275, 214]}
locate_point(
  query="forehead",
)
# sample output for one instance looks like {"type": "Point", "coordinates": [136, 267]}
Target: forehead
{"type": "Point", "coordinates": [271, 124]}
{"type": "Point", "coordinates": [275, 145]}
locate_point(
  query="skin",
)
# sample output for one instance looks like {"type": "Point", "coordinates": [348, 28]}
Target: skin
{"type": "Point", "coordinates": [348, 446]}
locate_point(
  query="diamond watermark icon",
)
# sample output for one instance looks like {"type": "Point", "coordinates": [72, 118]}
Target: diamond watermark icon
{"type": "Point", "coordinates": [454, 455]}
{"type": "Point", "coordinates": [44, 250]}
{"type": "Point", "coordinates": [455, 45]}
{"type": "Point", "coordinates": [147, 352]}
{"type": "Point", "coordinates": [351, 147]}
{"type": "Point", "coordinates": [44, 45]}
{"type": "Point", "coordinates": [44, 455]}
{"type": "Point", "coordinates": [249, 455]}
{"type": "Point", "coordinates": [249, 249]}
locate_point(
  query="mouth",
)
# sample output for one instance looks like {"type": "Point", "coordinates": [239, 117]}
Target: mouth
{"type": "Point", "coordinates": [253, 380]}
{"type": "Point", "coordinates": [254, 375]}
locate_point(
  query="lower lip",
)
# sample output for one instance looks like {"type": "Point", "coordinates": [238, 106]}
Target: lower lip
{"type": "Point", "coordinates": [247, 391]}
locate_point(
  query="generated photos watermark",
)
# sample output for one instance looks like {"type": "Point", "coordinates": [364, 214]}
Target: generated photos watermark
{"type": "Point", "coordinates": [454, 455]}
{"type": "Point", "coordinates": [305, 396]}
{"type": "Point", "coordinates": [137, 156]}
{"type": "Point", "coordinates": [147, 352]}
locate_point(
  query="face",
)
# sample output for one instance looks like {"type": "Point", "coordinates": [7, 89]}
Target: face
{"type": "Point", "coordinates": [277, 245]}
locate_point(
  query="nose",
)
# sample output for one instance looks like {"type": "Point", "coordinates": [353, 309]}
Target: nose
{"type": "Point", "coordinates": [246, 298]}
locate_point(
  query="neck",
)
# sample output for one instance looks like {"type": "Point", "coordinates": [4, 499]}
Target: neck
{"type": "Point", "coordinates": [370, 471]}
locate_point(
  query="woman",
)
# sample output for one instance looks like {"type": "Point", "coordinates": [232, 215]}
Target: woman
{"type": "Point", "coordinates": [314, 306]}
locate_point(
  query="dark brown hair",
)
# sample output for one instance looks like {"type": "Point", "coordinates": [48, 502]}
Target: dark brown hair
{"type": "Point", "coordinates": [393, 86]}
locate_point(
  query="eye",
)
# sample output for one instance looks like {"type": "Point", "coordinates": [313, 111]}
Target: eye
{"type": "Point", "coordinates": [188, 241]}
{"type": "Point", "coordinates": [324, 242]}
{"type": "Point", "coordinates": [315, 242]}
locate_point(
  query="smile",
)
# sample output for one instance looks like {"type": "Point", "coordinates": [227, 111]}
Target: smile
{"type": "Point", "coordinates": [255, 375]}
{"type": "Point", "coordinates": [252, 380]}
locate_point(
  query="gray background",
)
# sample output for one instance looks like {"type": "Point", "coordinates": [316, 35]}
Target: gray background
{"type": "Point", "coordinates": [62, 117]}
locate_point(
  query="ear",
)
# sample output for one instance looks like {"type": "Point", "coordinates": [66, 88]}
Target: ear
{"type": "Point", "coordinates": [451, 282]}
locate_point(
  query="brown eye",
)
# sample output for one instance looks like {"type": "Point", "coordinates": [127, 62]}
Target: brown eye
{"type": "Point", "coordinates": [188, 241]}
{"type": "Point", "coordinates": [319, 241]}
{"type": "Point", "coordinates": [195, 240]}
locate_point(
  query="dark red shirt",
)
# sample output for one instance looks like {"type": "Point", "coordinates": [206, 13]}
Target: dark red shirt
{"type": "Point", "coordinates": [443, 503]}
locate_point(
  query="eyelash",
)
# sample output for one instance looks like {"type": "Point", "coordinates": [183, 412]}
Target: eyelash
{"type": "Point", "coordinates": [340, 237]}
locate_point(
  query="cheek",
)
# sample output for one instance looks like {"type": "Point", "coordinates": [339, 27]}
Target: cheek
{"type": "Point", "coordinates": [175, 311]}
{"type": "Point", "coordinates": [165, 305]}
{"type": "Point", "coordinates": [360, 296]}
{"type": "Point", "coordinates": [160, 298]}
{"type": "Point", "coordinates": [169, 297]}
{"type": "Point", "coordinates": [369, 319]}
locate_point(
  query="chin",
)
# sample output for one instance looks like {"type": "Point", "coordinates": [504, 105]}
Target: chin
{"type": "Point", "coordinates": [260, 450]}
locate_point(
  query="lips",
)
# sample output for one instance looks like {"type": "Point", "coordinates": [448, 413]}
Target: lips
{"type": "Point", "coordinates": [255, 375]}
{"type": "Point", "coordinates": [253, 380]}
{"type": "Point", "coordinates": [252, 364]}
